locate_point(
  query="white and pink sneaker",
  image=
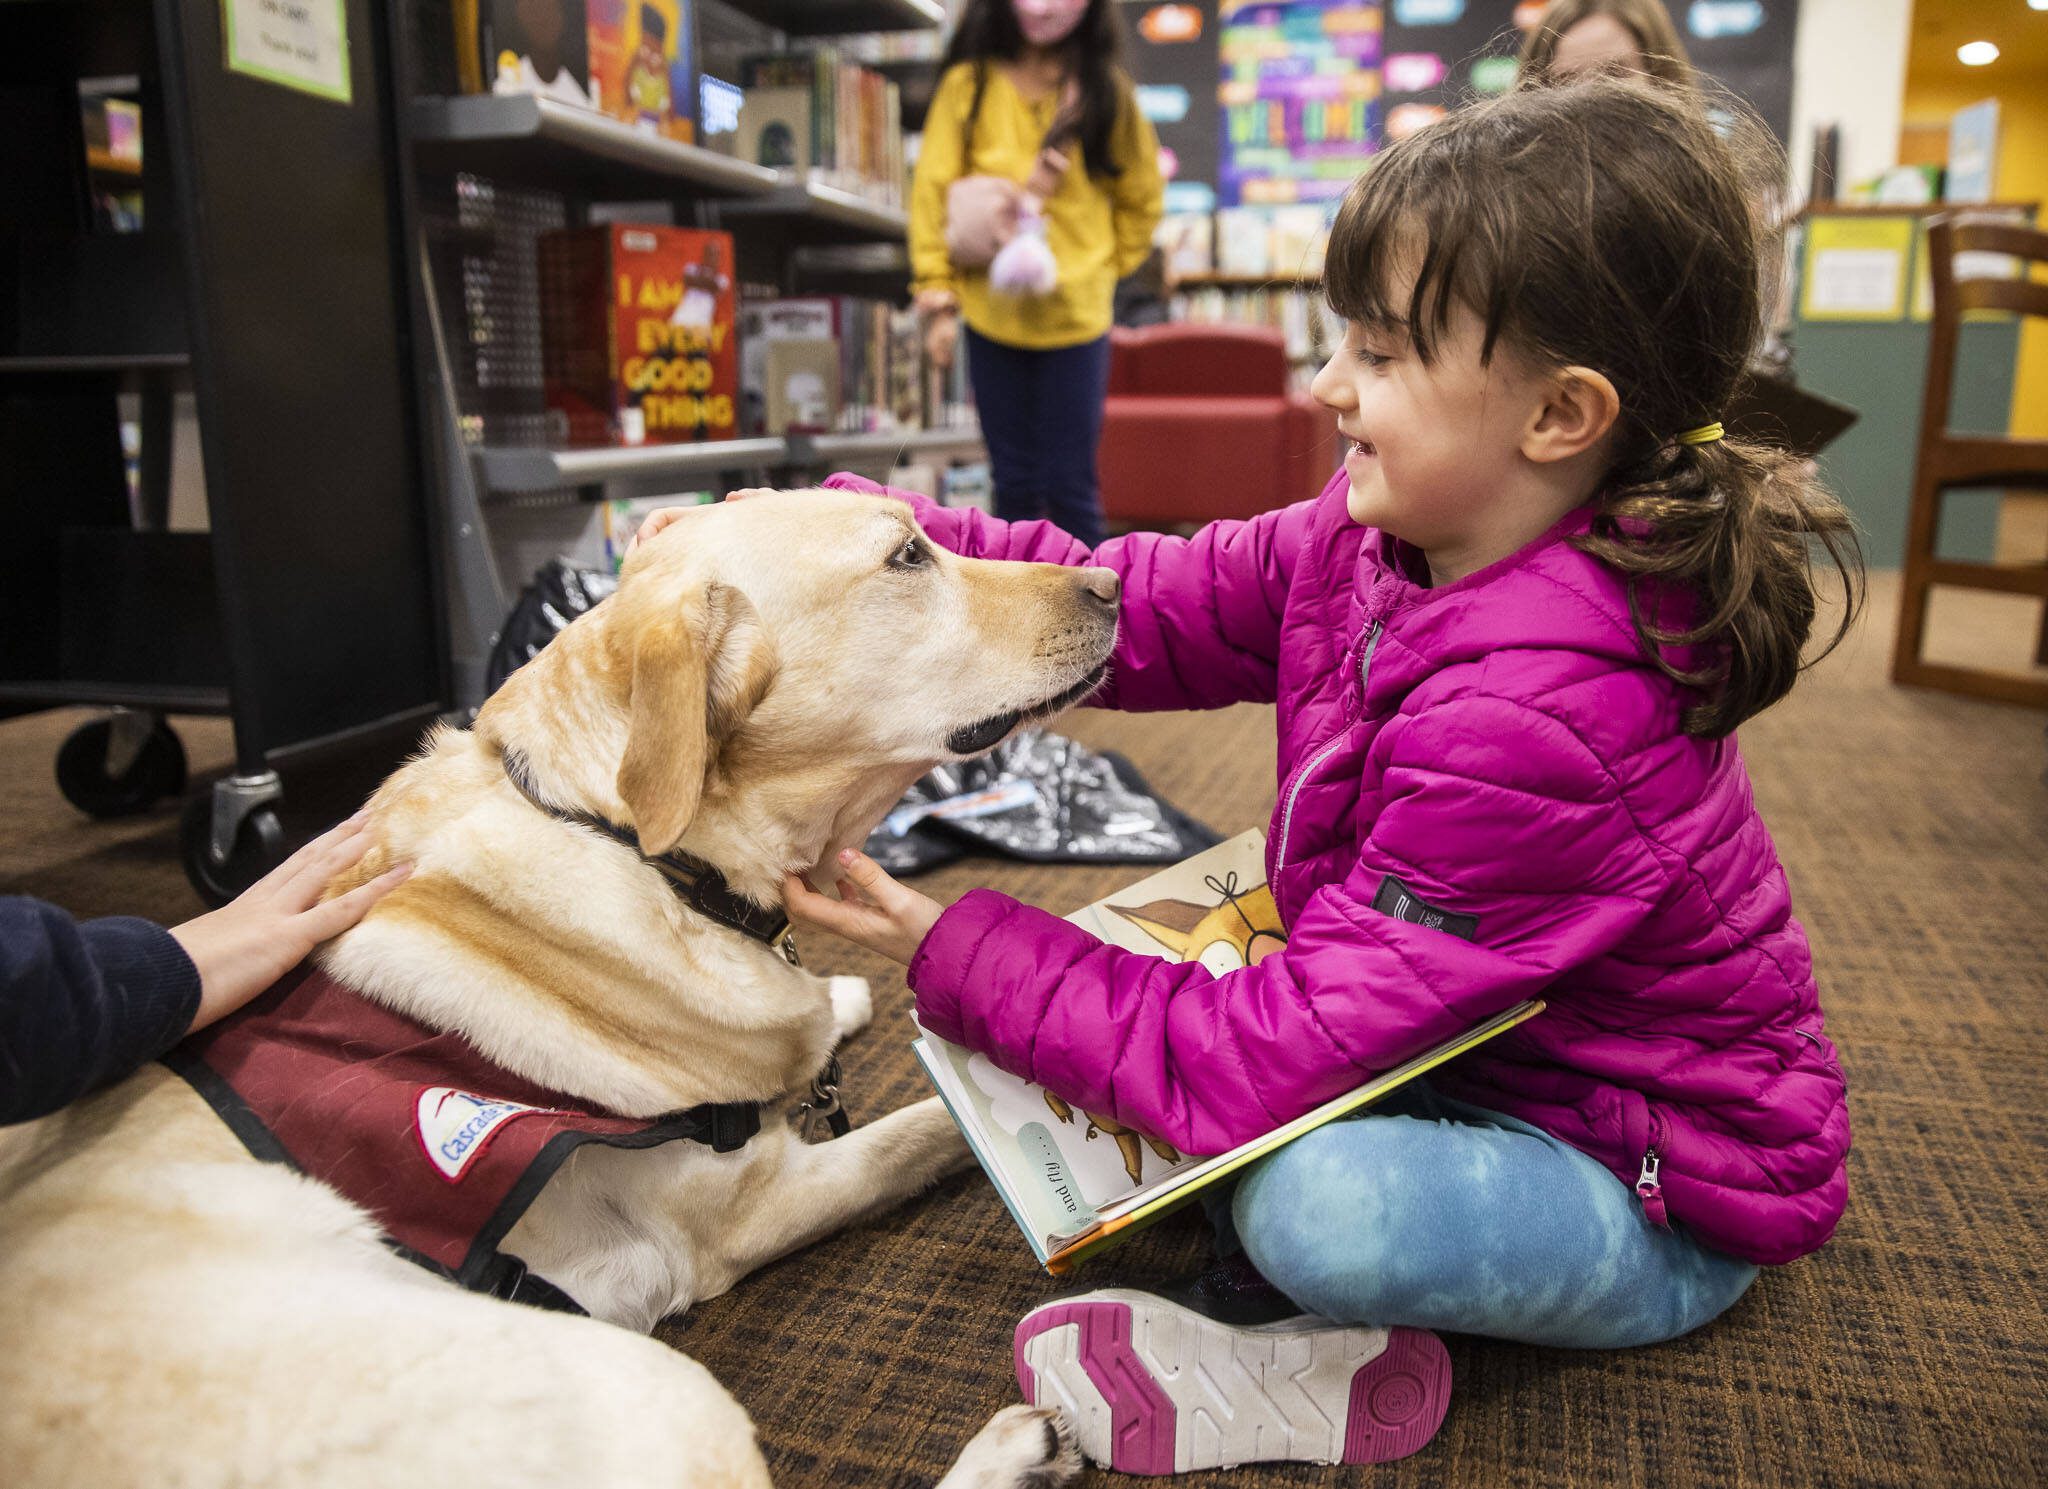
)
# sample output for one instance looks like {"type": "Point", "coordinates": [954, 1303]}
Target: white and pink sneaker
{"type": "Point", "coordinates": [1155, 1386]}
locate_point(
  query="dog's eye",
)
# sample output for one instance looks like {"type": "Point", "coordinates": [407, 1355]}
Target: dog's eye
{"type": "Point", "coordinates": [912, 555]}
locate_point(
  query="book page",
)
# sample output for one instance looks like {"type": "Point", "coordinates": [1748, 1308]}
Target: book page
{"type": "Point", "coordinates": [1060, 1166]}
{"type": "Point", "coordinates": [1213, 908]}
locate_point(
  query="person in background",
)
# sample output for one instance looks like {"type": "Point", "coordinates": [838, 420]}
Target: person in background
{"type": "Point", "coordinates": [1033, 92]}
{"type": "Point", "coordinates": [1574, 36]}
{"type": "Point", "coordinates": [82, 1006]}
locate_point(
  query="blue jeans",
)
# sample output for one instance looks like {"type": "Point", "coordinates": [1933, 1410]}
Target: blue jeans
{"type": "Point", "coordinates": [1440, 1215]}
{"type": "Point", "coordinates": [1041, 413]}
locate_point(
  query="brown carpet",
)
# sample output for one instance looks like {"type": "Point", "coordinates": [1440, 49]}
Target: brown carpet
{"type": "Point", "coordinates": [1913, 1350]}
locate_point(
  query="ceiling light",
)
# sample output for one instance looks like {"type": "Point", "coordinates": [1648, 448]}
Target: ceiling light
{"type": "Point", "coordinates": [1977, 53]}
{"type": "Point", "coordinates": [2037, 4]}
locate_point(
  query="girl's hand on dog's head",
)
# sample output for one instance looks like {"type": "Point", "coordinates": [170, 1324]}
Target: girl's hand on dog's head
{"type": "Point", "coordinates": [661, 517]}
{"type": "Point", "coordinates": [872, 910]}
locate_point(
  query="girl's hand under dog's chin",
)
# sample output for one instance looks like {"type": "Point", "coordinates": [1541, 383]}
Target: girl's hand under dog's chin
{"type": "Point", "coordinates": [872, 909]}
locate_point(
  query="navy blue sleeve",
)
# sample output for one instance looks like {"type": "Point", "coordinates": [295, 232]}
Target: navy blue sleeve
{"type": "Point", "coordinates": [83, 1005]}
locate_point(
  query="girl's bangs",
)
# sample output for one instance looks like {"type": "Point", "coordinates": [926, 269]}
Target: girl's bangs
{"type": "Point", "coordinates": [1394, 263]}
{"type": "Point", "coordinates": [1362, 266]}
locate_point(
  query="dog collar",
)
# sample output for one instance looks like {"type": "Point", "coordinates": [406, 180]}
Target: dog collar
{"type": "Point", "coordinates": [694, 882]}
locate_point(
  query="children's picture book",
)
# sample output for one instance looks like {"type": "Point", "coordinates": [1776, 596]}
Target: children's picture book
{"type": "Point", "coordinates": [1077, 1182]}
{"type": "Point", "coordinates": [638, 342]}
{"type": "Point", "coordinates": [534, 46]}
{"type": "Point", "coordinates": [642, 64]}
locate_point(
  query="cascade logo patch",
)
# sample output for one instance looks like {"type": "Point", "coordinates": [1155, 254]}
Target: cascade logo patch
{"type": "Point", "coordinates": [454, 1125]}
{"type": "Point", "coordinates": [1401, 902]}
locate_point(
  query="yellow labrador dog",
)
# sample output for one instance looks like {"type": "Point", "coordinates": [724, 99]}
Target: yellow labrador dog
{"type": "Point", "coordinates": [768, 679]}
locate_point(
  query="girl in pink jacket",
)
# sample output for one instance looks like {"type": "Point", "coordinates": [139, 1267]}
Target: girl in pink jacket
{"type": "Point", "coordinates": [1510, 645]}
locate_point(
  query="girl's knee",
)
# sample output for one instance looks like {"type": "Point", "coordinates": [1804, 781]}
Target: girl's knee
{"type": "Point", "coordinates": [1318, 1222]}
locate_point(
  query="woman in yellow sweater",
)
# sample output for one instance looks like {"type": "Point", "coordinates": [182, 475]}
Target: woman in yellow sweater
{"type": "Point", "coordinates": [1033, 93]}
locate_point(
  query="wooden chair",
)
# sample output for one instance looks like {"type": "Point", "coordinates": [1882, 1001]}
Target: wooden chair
{"type": "Point", "coordinates": [1947, 459]}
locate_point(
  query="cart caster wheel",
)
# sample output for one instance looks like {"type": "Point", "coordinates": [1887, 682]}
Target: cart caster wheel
{"type": "Point", "coordinates": [259, 848]}
{"type": "Point", "coordinates": [156, 770]}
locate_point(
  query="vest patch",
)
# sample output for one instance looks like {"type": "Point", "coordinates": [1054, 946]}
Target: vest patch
{"type": "Point", "coordinates": [1401, 902]}
{"type": "Point", "coordinates": [454, 1125]}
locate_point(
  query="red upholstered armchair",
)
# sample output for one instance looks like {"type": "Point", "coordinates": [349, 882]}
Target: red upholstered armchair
{"type": "Point", "coordinates": [1199, 425]}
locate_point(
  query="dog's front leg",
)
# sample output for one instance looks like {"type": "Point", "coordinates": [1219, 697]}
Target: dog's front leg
{"type": "Point", "coordinates": [828, 1186]}
{"type": "Point", "coordinates": [853, 1006]}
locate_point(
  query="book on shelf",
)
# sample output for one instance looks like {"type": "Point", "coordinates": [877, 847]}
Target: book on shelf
{"type": "Point", "coordinates": [775, 129]}
{"type": "Point", "coordinates": [854, 119]}
{"type": "Point", "coordinates": [1281, 242]}
{"type": "Point", "coordinates": [643, 64]}
{"type": "Point", "coordinates": [883, 384]}
{"type": "Point", "coordinates": [1188, 240]}
{"type": "Point", "coordinates": [802, 377]}
{"type": "Point", "coordinates": [638, 337]}
{"type": "Point", "coordinates": [1077, 1182]}
{"type": "Point", "coordinates": [634, 60]}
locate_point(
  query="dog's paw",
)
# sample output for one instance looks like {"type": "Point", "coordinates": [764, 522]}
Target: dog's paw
{"type": "Point", "coordinates": [1022, 1447]}
{"type": "Point", "coordinates": [852, 1006]}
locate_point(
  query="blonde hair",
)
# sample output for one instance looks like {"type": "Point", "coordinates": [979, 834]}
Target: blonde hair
{"type": "Point", "coordinates": [1647, 21]}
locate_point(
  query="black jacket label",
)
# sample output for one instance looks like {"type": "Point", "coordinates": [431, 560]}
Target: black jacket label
{"type": "Point", "coordinates": [1401, 902]}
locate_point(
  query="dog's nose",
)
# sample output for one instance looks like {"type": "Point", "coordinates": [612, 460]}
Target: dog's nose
{"type": "Point", "coordinates": [1103, 584]}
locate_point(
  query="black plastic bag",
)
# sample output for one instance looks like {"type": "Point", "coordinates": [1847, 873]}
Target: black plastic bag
{"type": "Point", "coordinates": [559, 593]}
{"type": "Point", "coordinates": [1041, 797]}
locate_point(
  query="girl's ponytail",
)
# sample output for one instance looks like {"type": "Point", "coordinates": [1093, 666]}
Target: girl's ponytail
{"type": "Point", "coordinates": [1716, 540]}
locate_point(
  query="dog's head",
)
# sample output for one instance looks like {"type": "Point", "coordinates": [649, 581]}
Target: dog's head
{"type": "Point", "coordinates": [803, 651]}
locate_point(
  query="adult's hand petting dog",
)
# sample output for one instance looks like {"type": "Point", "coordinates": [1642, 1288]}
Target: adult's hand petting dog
{"type": "Point", "coordinates": [274, 924]}
{"type": "Point", "coordinates": [872, 910]}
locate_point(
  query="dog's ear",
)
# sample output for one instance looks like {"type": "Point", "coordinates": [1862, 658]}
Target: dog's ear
{"type": "Point", "coordinates": [696, 673]}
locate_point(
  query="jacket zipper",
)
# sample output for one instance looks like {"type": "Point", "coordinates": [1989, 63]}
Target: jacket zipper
{"type": "Point", "coordinates": [1329, 748]}
{"type": "Point", "coordinates": [1649, 1188]}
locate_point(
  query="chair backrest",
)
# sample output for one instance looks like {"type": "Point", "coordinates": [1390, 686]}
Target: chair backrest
{"type": "Point", "coordinates": [1187, 360]}
{"type": "Point", "coordinates": [1952, 233]}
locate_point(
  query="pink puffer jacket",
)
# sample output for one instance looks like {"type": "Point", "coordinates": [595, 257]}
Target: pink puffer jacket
{"type": "Point", "coordinates": [1485, 796]}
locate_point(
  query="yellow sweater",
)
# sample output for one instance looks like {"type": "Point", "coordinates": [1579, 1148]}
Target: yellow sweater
{"type": "Point", "coordinates": [1099, 227]}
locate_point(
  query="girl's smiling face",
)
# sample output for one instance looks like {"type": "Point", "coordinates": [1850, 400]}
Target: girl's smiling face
{"type": "Point", "coordinates": [1432, 447]}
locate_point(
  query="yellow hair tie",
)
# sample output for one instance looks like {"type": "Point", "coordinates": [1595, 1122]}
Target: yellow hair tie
{"type": "Point", "coordinates": [1706, 434]}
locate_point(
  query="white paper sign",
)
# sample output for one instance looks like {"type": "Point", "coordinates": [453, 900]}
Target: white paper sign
{"type": "Point", "coordinates": [299, 44]}
{"type": "Point", "coordinates": [1859, 281]}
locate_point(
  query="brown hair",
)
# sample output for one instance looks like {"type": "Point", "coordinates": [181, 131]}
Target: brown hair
{"type": "Point", "coordinates": [1646, 20]}
{"type": "Point", "coordinates": [1606, 223]}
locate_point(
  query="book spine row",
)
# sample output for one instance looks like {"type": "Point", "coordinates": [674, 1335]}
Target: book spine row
{"type": "Point", "coordinates": [853, 131]}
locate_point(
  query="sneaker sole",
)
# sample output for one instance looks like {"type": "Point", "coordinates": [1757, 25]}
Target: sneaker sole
{"type": "Point", "coordinates": [1155, 1388]}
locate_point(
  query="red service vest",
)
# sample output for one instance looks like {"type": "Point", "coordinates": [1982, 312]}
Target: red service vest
{"type": "Point", "coordinates": [444, 1148]}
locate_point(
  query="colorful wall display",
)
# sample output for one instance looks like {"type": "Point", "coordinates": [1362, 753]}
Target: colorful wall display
{"type": "Point", "coordinates": [1300, 92]}
{"type": "Point", "coordinates": [1173, 59]}
{"type": "Point", "coordinates": [1265, 103]}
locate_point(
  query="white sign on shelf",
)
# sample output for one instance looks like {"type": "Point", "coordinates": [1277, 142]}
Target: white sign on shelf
{"type": "Point", "coordinates": [300, 44]}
